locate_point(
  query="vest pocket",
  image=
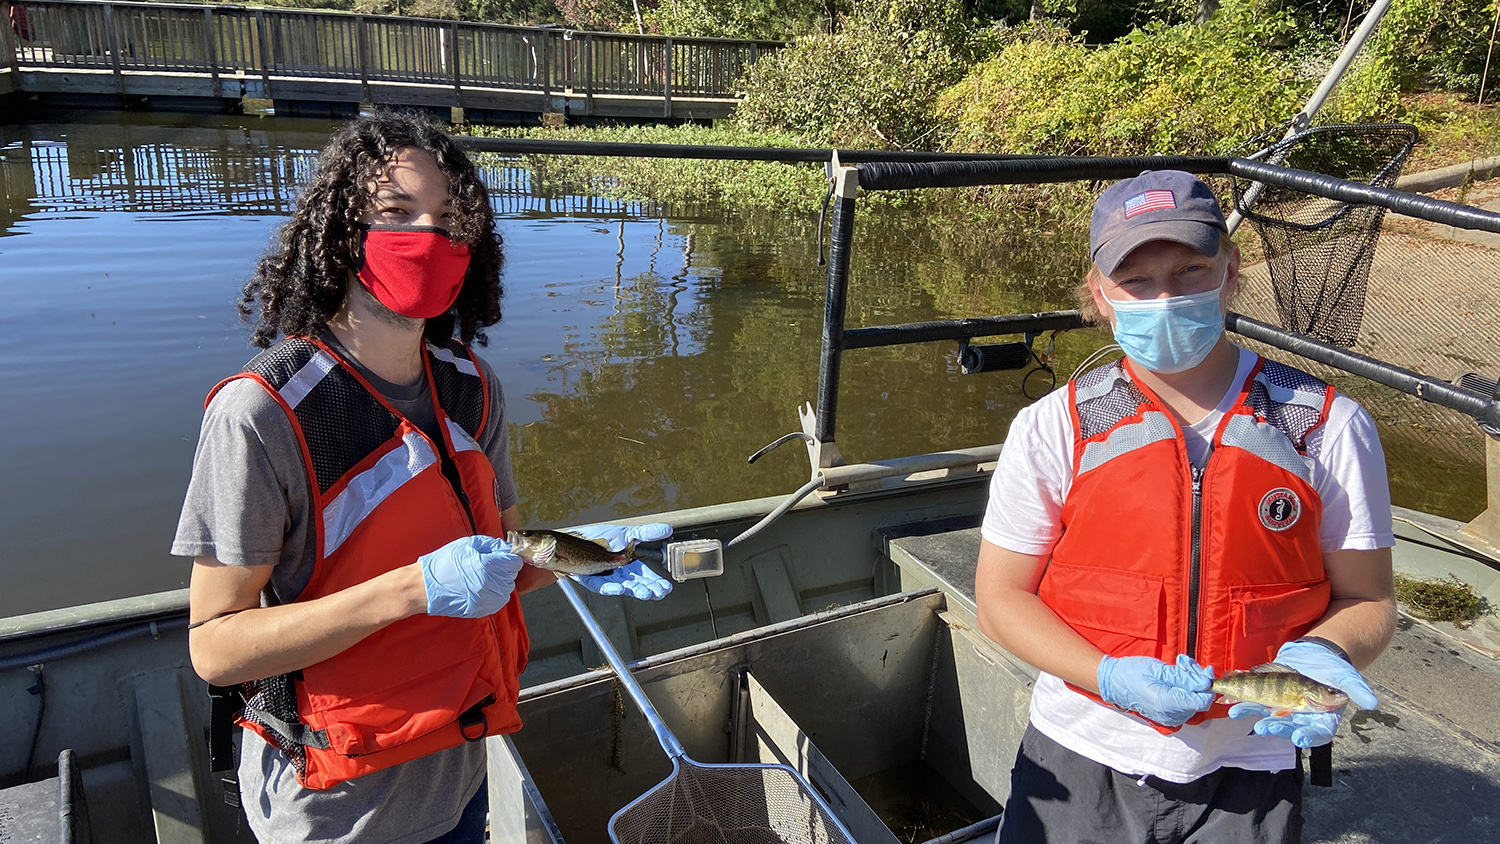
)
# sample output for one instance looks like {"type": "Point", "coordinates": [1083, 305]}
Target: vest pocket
{"type": "Point", "coordinates": [1121, 612]}
{"type": "Point", "coordinates": [1265, 617]}
{"type": "Point", "coordinates": [404, 712]}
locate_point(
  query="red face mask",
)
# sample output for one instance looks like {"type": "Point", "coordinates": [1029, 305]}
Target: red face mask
{"type": "Point", "coordinates": [415, 271]}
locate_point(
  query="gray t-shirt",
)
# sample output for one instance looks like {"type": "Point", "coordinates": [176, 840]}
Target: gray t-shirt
{"type": "Point", "coordinates": [249, 504]}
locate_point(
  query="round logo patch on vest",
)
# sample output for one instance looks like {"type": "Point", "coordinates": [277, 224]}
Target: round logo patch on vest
{"type": "Point", "coordinates": [1280, 509]}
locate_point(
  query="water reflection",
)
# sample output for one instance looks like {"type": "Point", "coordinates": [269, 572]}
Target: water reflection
{"type": "Point", "coordinates": [643, 355]}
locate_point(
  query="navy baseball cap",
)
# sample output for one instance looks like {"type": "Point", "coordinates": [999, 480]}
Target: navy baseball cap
{"type": "Point", "coordinates": [1156, 205]}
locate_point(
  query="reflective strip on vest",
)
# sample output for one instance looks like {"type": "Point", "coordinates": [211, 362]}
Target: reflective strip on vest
{"type": "Point", "coordinates": [1153, 427]}
{"type": "Point", "coordinates": [1284, 395]}
{"type": "Point", "coordinates": [463, 365]}
{"type": "Point", "coordinates": [461, 439]}
{"type": "Point", "coordinates": [366, 490]}
{"type": "Point", "coordinates": [1086, 392]}
{"type": "Point", "coordinates": [308, 377]}
{"type": "Point", "coordinates": [1266, 442]}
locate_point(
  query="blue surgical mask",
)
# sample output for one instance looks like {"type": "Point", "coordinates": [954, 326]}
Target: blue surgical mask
{"type": "Point", "coordinates": [1170, 335]}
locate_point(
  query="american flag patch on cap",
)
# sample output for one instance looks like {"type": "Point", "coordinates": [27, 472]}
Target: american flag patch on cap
{"type": "Point", "coordinates": [1151, 200]}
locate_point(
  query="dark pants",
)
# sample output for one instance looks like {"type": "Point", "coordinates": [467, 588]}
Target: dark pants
{"type": "Point", "coordinates": [1059, 796]}
{"type": "Point", "coordinates": [472, 822]}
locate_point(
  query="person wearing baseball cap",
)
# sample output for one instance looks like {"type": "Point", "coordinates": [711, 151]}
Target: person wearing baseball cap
{"type": "Point", "coordinates": [1188, 510]}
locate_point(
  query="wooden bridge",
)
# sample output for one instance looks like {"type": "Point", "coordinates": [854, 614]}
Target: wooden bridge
{"type": "Point", "coordinates": [294, 58]}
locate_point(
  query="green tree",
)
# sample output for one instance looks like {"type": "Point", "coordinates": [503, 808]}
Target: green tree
{"type": "Point", "coordinates": [870, 84]}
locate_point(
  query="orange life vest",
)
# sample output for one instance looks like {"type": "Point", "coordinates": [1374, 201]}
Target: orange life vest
{"type": "Point", "coordinates": [383, 495]}
{"type": "Point", "coordinates": [1159, 559]}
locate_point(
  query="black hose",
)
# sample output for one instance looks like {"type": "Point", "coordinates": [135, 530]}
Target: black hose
{"type": "Point", "coordinates": [822, 217]}
{"type": "Point", "coordinates": [40, 690]}
{"type": "Point", "coordinates": [795, 435]}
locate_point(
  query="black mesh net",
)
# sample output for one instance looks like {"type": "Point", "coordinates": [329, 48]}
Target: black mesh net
{"type": "Point", "coordinates": [1319, 250]}
{"type": "Point", "coordinates": [276, 697]}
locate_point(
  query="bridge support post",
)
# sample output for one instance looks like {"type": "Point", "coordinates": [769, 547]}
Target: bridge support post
{"type": "Point", "coordinates": [264, 40]}
{"type": "Point", "coordinates": [362, 44]}
{"type": "Point", "coordinates": [588, 73]}
{"type": "Point", "coordinates": [458, 84]}
{"type": "Point", "coordinates": [9, 44]}
{"type": "Point", "coordinates": [211, 48]}
{"type": "Point", "coordinates": [666, 93]}
{"type": "Point", "coordinates": [112, 38]}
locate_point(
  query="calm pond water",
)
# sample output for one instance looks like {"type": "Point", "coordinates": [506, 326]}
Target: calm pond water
{"type": "Point", "coordinates": [644, 352]}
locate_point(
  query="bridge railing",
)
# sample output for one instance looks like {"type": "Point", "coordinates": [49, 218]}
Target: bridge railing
{"type": "Point", "coordinates": [156, 37]}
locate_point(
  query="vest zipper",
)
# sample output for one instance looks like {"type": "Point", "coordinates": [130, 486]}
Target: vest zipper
{"type": "Point", "coordinates": [1195, 567]}
{"type": "Point", "coordinates": [458, 487]}
{"type": "Point", "coordinates": [455, 480]}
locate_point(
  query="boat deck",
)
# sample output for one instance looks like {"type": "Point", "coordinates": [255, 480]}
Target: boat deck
{"type": "Point", "coordinates": [1423, 767]}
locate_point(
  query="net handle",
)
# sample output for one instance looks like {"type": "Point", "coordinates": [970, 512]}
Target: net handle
{"type": "Point", "coordinates": [668, 741]}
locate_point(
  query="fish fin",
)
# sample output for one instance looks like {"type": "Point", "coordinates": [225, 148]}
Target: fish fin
{"type": "Point", "coordinates": [1281, 713]}
{"type": "Point", "coordinates": [1268, 668]}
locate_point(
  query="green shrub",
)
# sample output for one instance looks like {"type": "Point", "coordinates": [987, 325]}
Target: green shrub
{"type": "Point", "coordinates": [870, 85]}
{"type": "Point", "coordinates": [1162, 89]}
{"type": "Point", "coordinates": [1439, 43]}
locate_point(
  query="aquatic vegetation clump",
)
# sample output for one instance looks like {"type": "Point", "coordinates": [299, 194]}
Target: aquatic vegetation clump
{"type": "Point", "coordinates": [1448, 599]}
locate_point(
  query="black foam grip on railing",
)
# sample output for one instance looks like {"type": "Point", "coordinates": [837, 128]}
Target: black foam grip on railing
{"type": "Point", "coordinates": [1037, 170]}
{"type": "Point", "coordinates": [1485, 411]}
{"type": "Point", "coordinates": [841, 243]}
{"type": "Point", "coordinates": [960, 329]}
{"type": "Point", "coordinates": [1411, 204]}
{"type": "Point", "coordinates": [545, 146]}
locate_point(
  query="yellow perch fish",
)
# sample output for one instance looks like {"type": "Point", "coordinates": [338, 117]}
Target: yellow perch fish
{"type": "Point", "coordinates": [1280, 689]}
{"type": "Point", "coordinates": [567, 553]}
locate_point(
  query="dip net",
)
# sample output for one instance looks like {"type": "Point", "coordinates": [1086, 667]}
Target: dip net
{"type": "Point", "coordinates": [727, 804]}
{"type": "Point", "coordinates": [1414, 293]}
{"type": "Point", "coordinates": [1319, 250]}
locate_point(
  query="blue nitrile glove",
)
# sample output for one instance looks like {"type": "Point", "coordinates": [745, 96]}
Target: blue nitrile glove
{"type": "Point", "coordinates": [1167, 694]}
{"type": "Point", "coordinates": [471, 577]}
{"type": "Point", "coordinates": [633, 578]}
{"type": "Point", "coordinates": [1310, 729]}
{"type": "Point", "coordinates": [1305, 729]}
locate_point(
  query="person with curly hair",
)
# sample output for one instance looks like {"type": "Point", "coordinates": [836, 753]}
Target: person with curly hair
{"type": "Point", "coordinates": [354, 604]}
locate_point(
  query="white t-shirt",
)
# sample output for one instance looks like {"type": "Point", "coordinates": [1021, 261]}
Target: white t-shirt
{"type": "Point", "coordinates": [1024, 515]}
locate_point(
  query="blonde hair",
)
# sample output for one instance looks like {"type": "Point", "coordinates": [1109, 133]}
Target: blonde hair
{"type": "Point", "coordinates": [1083, 295]}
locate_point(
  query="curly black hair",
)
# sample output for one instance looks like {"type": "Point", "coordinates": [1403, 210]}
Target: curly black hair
{"type": "Point", "coordinates": [299, 284]}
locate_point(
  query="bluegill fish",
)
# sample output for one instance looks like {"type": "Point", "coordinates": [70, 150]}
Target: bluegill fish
{"type": "Point", "coordinates": [1280, 689]}
{"type": "Point", "coordinates": [567, 553]}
